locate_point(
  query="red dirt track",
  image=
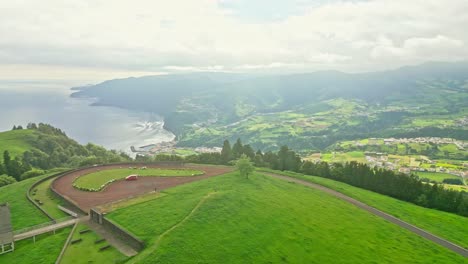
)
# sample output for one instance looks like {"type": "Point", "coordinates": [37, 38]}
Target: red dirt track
{"type": "Point", "coordinates": [123, 189]}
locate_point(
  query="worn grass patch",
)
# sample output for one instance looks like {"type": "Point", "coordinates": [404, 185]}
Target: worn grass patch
{"type": "Point", "coordinates": [266, 220]}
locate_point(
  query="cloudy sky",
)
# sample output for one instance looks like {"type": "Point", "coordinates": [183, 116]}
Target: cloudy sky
{"type": "Point", "coordinates": [90, 39]}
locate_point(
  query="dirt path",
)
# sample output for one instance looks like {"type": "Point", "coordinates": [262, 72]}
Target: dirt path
{"type": "Point", "coordinates": [124, 189]}
{"type": "Point", "coordinates": [438, 240]}
{"type": "Point", "coordinates": [158, 241]}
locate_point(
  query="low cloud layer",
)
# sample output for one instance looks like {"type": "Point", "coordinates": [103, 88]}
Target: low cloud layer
{"type": "Point", "coordinates": [191, 35]}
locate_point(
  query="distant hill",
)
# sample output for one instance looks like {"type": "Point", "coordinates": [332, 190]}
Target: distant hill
{"type": "Point", "coordinates": [207, 107]}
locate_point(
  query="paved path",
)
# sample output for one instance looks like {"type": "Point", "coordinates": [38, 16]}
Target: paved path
{"type": "Point", "coordinates": [447, 244]}
{"type": "Point", "coordinates": [45, 229]}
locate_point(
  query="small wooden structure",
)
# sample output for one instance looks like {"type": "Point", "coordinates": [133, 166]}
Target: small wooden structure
{"type": "Point", "coordinates": [7, 243]}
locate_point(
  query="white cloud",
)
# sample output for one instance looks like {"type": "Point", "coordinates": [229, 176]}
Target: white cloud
{"type": "Point", "coordinates": [184, 35]}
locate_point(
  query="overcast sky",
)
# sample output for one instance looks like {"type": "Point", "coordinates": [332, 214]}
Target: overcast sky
{"type": "Point", "coordinates": [93, 39]}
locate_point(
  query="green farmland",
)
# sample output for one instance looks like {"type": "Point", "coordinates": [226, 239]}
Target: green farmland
{"type": "Point", "coordinates": [230, 219]}
{"type": "Point", "coordinates": [97, 179]}
{"type": "Point", "coordinates": [437, 176]}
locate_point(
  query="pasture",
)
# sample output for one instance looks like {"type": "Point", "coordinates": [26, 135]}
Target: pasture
{"type": "Point", "coordinates": [436, 176]}
{"type": "Point", "coordinates": [96, 180]}
{"type": "Point", "coordinates": [230, 219]}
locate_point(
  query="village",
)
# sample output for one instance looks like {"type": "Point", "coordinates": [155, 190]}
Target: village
{"type": "Point", "coordinates": [169, 148]}
{"type": "Point", "coordinates": [461, 145]}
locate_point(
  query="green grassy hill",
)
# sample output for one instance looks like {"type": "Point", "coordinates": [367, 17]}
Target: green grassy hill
{"type": "Point", "coordinates": [16, 141]}
{"type": "Point", "coordinates": [45, 250]}
{"type": "Point", "coordinates": [23, 213]}
{"type": "Point", "coordinates": [229, 219]}
{"type": "Point", "coordinates": [447, 225]}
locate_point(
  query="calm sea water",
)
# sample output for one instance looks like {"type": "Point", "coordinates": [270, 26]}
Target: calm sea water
{"type": "Point", "coordinates": [110, 127]}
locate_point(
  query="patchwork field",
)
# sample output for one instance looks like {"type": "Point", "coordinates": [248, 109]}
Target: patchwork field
{"type": "Point", "coordinates": [230, 219]}
{"type": "Point", "coordinates": [97, 179]}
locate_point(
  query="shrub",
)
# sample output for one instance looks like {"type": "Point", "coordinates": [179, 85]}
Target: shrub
{"type": "Point", "coordinates": [453, 181]}
{"type": "Point", "coordinates": [31, 174]}
{"type": "Point", "coordinates": [6, 180]}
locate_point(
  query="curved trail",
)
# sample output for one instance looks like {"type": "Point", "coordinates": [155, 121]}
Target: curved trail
{"type": "Point", "coordinates": [438, 240]}
{"type": "Point", "coordinates": [158, 241]}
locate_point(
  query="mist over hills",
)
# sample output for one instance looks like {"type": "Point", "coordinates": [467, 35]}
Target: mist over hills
{"type": "Point", "coordinates": [196, 102]}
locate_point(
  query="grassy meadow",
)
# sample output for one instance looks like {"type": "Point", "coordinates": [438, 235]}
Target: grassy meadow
{"type": "Point", "coordinates": [230, 219]}
{"type": "Point", "coordinates": [45, 251]}
{"type": "Point", "coordinates": [49, 200]}
{"type": "Point", "coordinates": [16, 142]}
{"type": "Point", "coordinates": [437, 176]}
{"type": "Point", "coordinates": [87, 251]}
{"type": "Point", "coordinates": [97, 179]}
{"type": "Point", "coordinates": [23, 212]}
{"type": "Point", "coordinates": [449, 226]}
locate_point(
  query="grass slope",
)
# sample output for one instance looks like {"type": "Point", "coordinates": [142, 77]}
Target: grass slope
{"type": "Point", "coordinates": [16, 141]}
{"type": "Point", "coordinates": [449, 226]}
{"type": "Point", "coordinates": [265, 220]}
{"type": "Point", "coordinates": [23, 212]}
{"type": "Point", "coordinates": [44, 251]}
{"type": "Point", "coordinates": [49, 199]}
{"type": "Point", "coordinates": [87, 251]}
{"type": "Point", "coordinates": [97, 179]}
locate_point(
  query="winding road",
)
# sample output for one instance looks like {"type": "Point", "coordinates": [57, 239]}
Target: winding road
{"type": "Point", "coordinates": [438, 240]}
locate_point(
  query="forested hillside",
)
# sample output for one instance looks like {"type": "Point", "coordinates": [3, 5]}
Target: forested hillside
{"type": "Point", "coordinates": [31, 151]}
{"type": "Point", "coordinates": [305, 111]}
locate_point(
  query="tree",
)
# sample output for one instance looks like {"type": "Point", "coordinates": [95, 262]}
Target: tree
{"type": "Point", "coordinates": [237, 149]}
{"type": "Point", "coordinates": [6, 158]}
{"type": "Point", "coordinates": [226, 152]}
{"type": "Point", "coordinates": [245, 166]}
{"type": "Point", "coordinates": [14, 127]}
{"type": "Point", "coordinates": [31, 126]}
{"type": "Point", "coordinates": [248, 150]}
